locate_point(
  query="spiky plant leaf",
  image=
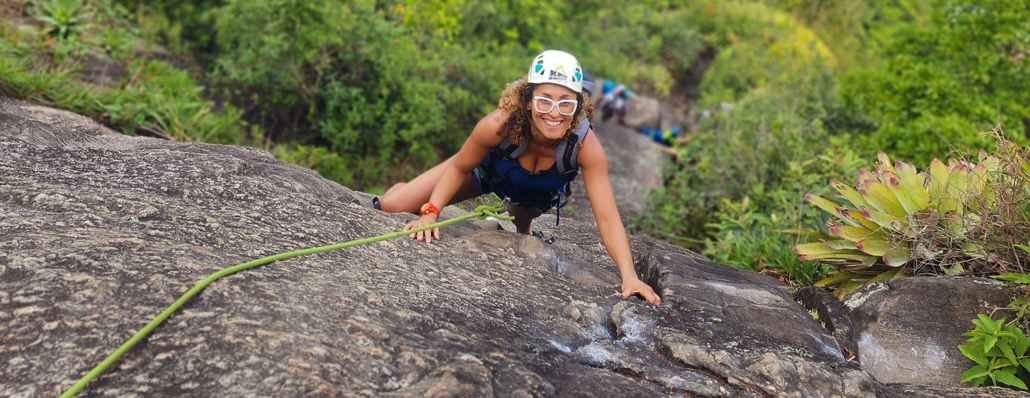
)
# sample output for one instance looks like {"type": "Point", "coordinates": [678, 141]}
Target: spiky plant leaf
{"type": "Point", "coordinates": [879, 218]}
{"type": "Point", "coordinates": [854, 234]}
{"type": "Point", "coordinates": [978, 178]}
{"type": "Point", "coordinates": [882, 198]}
{"type": "Point", "coordinates": [1014, 277]}
{"type": "Point", "coordinates": [858, 220]}
{"type": "Point", "coordinates": [993, 162]}
{"type": "Point", "coordinates": [939, 174]}
{"type": "Point", "coordinates": [874, 247]}
{"type": "Point", "coordinates": [884, 163]}
{"type": "Point", "coordinates": [889, 274]}
{"type": "Point", "coordinates": [863, 176]}
{"type": "Point", "coordinates": [841, 244]}
{"type": "Point", "coordinates": [849, 193]}
{"type": "Point", "coordinates": [847, 287]}
{"type": "Point", "coordinates": [821, 248]}
{"type": "Point", "coordinates": [958, 187]}
{"type": "Point", "coordinates": [908, 199]}
{"type": "Point", "coordinates": [914, 183]}
{"type": "Point", "coordinates": [840, 262]}
{"type": "Point", "coordinates": [897, 257]}
{"type": "Point", "coordinates": [838, 255]}
{"type": "Point", "coordinates": [824, 204]}
{"type": "Point", "coordinates": [838, 278]}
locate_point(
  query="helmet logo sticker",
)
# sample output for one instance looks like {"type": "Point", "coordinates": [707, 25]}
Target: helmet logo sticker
{"type": "Point", "coordinates": [539, 67]}
{"type": "Point", "coordinates": [557, 74]}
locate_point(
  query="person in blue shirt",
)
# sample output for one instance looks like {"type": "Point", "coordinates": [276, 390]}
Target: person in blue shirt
{"type": "Point", "coordinates": [522, 151]}
{"type": "Point", "coordinates": [660, 137]}
{"type": "Point", "coordinates": [615, 96]}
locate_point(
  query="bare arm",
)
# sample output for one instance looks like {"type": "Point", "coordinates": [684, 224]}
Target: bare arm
{"type": "Point", "coordinates": [594, 164]}
{"type": "Point", "coordinates": [476, 148]}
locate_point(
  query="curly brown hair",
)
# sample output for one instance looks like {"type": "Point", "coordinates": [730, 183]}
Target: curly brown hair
{"type": "Point", "coordinates": [514, 99]}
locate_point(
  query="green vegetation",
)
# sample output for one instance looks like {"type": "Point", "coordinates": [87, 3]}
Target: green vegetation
{"type": "Point", "coordinates": [964, 74]}
{"type": "Point", "coordinates": [797, 93]}
{"type": "Point", "coordinates": [46, 63]}
{"type": "Point", "coordinates": [999, 348]}
{"type": "Point", "coordinates": [816, 89]}
{"type": "Point", "coordinates": [954, 218]}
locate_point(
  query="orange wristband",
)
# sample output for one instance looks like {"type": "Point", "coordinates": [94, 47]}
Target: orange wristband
{"type": "Point", "coordinates": [429, 208]}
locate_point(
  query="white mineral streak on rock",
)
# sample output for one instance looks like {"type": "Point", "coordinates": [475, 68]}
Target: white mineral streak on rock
{"type": "Point", "coordinates": [758, 297]}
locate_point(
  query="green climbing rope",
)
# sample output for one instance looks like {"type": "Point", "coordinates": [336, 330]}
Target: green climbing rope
{"type": "Point", "coordinates": [481, 212]}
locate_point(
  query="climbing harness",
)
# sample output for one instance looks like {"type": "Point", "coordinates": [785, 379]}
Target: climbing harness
{"type": "Point", "coordinates": [482, 212]}
{"type": "Point", "coordinates": [566, 154]}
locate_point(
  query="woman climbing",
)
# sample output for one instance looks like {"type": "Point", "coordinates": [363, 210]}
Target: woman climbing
{"type": "Point", "coordinates": [528, 150]}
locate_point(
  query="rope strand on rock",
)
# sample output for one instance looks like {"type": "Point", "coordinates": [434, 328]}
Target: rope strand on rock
{"type": "Point", "coordinates": [481, 212]}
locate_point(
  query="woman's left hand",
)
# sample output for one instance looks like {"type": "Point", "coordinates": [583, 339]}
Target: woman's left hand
{"type": "Point", "coordinates": [637, 286]}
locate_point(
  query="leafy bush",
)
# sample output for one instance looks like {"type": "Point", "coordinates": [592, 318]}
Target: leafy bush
{"type": "Point", "coordinates": [167, 102]}
{"type": "Point", "coordinates": [999, 350]}
{"type": "Point", "coordinates": [749, 238]}
{"type": "Point", "coordinates": [944, 84]}
{"type": "Point", "coordinates": [184, 26]}
{"type": "Point", "coordinates": [649, 45]}
{"type": "Point", "coordinates": [761, 49]}
{"type": "Point", "coordinates": [998, 347]}
{"type": "Point", "coordinates": [855, 30]}
{"type": "Point", "coordinates": [765, 150]}
{"type": "Point", "coordinates": [743, 173]}
{"type": "Point", "coordinates": [45, 66]}
{"type": "Point", "coordinates": [379, 85]}
{"type": "Point", "coordinates": [732, 210]}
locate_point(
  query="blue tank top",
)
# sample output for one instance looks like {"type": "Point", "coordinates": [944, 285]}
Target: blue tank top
{"type": "Point", "coordinates": [501, 172]}
{"type": "Point", "coordinates": [512, 173]}
{"type": "Point", "coordinates": [537, 191]}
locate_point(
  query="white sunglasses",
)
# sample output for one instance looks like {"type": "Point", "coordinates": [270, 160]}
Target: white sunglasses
{"type": "Point", "coordinates": [565, 107]}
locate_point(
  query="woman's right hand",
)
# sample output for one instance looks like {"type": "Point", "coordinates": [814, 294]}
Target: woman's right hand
{"type": "Point", "coordinates": [428, 234]}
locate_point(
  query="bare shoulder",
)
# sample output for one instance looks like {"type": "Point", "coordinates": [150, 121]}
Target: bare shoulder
{"type": "Point", "coordinates": [486, 130]}
{"type": "Point", "coordinates": [493, 120]}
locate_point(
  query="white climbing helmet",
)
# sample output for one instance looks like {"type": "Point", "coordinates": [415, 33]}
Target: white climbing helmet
{"type": "Point", "coordinates": [556, 67]}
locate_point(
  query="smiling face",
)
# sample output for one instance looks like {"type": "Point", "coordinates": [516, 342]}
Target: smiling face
{"type": "Point", "coordinates": [553, 124]}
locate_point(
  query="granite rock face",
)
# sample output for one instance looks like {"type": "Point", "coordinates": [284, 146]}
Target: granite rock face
{"type": "Point", "coordinates": [642, 112]}
{"type": "Point", "coordinates": [908, 330]}
{"type": "Point", "coordinates": [100, 232]}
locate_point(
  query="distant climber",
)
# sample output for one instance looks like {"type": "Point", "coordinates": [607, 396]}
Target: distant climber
{"type": "Point", "coordinates": [615, 96]}
{"type": "Point", "coordinates": [667, 137]}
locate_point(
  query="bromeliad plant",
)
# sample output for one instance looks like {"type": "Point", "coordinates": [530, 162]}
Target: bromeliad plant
{"type": "Point", "coordinates": [896, 221]}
